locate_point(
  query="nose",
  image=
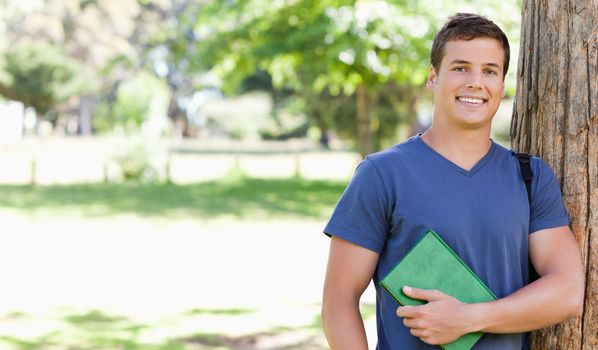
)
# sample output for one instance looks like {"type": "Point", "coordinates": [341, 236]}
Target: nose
{"type": "Point", "coordinates": [475, 81]}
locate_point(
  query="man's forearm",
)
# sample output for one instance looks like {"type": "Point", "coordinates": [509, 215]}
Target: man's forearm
{"type": "Point", "coordinates": [343, 325]}
{"type": "Point", "coordinates": [549, 300]}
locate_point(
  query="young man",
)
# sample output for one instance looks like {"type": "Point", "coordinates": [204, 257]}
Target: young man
{"type": "Point", "coordinates": [455, 180]}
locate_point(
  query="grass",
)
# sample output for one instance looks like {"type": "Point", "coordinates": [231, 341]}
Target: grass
{"type": "Point", "coordinates": [239, 197]}
{"type": "Point", "coordinates": [229, 312]}
{"type": "Point", "coordinates": [98, 331]}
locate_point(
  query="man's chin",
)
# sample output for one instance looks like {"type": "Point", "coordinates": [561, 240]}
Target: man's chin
{"type": "Point", "coordinates": [475, 122]}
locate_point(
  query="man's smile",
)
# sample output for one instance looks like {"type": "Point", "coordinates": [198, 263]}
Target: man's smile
{"type": "Point", "coordinates": [471, 100]}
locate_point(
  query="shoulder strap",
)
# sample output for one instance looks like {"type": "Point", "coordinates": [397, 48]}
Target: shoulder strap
{"type": "Point", "coordinates": [526, 173]}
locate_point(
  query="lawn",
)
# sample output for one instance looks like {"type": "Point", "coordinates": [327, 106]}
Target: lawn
{"type": "Point", "coordinates": [141, 266]}
{"type": "Point", "coordinates": [234, 197]}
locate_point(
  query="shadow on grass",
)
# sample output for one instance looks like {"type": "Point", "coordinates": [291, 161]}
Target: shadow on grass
{"type": "Point", "coordinates": [306, 337]}
{"type": "Point", "coordinates": [94, 318]}
{"type": "Point", "coordinates": [226, 312]}
{"type": "Point", "coordinates": [99, 331]}
{"type": "Point", "coordinates": [267, 340]}
{"type": "Point", "coordinates": [241, 198]}
{"type": "Point", "coordinates": [104, 342]}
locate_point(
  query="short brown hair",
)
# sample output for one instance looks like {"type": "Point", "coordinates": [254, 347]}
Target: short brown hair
{"type": "Point", "coordinates": [468, 26]}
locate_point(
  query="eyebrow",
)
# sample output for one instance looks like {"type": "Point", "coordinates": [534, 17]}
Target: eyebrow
{"type": "Point", "coordinates": [457, 61]}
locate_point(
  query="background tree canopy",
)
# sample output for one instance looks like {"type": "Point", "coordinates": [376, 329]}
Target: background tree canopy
{"type": "Point", "coordinates": [359, 67]}
{"type": "Point", "coordinates": [39, 75]}
{"type": "Point", "coordinates": [353, 68]}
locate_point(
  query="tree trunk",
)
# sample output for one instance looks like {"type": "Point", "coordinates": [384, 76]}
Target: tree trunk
{"type": "Point", "coordinates": [84, 125]}
{"type": "Point", "coordinates": [556, 117]}
{"type": "Point", "coordinates": [177, 116]}
{"type": "Point", "coordinates": [364, 131]}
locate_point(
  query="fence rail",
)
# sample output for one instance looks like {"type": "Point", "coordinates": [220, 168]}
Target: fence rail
{"type": "Point", "coordinates": [79, 160]}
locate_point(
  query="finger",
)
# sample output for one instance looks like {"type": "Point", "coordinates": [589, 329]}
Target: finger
{"type": "Point", "coordinates": [407, 311]}
{"type": "Point", "coordinates": [420, 333]}
{"type": "Point", "coordinates": [429, 340]}
{"type": "Point", "coordinates": [411, 323]}
{"type": "Point", "coordinates": [415, 323]}
{"type": "Point", "coordinates": [423, 294]}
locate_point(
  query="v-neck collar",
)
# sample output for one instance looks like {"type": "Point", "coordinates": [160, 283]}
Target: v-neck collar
{"type": "Point", "coordinates": [477, 167]}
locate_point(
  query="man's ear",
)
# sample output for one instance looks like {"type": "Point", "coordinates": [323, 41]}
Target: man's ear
{"type": "Point", "coordinates": [432, 77]}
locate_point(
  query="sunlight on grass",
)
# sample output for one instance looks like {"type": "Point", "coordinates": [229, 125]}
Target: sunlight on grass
{"type": "Point", "coordinates": [97, 330]}
{"type": "Point", "coordinates": [367, 310]}
{"type": "Point", "coordinates": [239, 197]}
{"type": "Point", "coordinates": [133, 222]}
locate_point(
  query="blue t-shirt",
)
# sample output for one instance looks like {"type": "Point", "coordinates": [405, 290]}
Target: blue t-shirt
{"type": "Point", "coordinates": [483, 214]}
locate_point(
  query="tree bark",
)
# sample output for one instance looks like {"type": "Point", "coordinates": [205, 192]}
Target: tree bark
{"type": "Point", "coordinates": [556, 117]}
{"type": "Point", "coordinates": [365, 141]}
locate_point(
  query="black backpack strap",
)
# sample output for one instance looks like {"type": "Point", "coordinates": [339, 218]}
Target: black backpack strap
{"type": "Point", "coordinates": [526, 173]}
{"type": "Point", "coordinates": [527, 176]}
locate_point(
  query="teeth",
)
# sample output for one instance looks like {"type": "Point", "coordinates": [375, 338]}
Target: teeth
{"type": "Point", "coordinates": [471, 100]}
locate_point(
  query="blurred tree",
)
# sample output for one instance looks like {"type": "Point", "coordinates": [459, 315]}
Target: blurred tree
{"type": "Point", "coordinates": [162, 38]}
{"type": "Point", "coordinates": [113, 41]}
{"type": "Point", "coordinates": [359, 65]}
{"type": "Point", "coordinates": [367, 58]}
{"type": "Point", "coordinates": [171, 49]}
{"type": "Point", "coordinates": [346, 54]}
{"type": "Point", "coordinates": [137, 100]}
{"type": "Point", "coordinates": [91, 35]}
{"type": "Point", "coordinates": [39, 76]}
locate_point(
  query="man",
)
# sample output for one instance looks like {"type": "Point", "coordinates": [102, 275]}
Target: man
{"type": "Point", "coordinates": [455, 180]}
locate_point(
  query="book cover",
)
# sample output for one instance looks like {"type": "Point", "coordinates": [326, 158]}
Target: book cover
{"type": "Point", "coordinates": [432, 264]}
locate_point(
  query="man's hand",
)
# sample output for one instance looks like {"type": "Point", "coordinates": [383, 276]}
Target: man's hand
{"type": "Point", "coordinates": [442, 320]}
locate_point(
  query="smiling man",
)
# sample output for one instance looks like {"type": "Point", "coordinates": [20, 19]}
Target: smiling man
{"type": "Point", "coordinates": [455, 180]}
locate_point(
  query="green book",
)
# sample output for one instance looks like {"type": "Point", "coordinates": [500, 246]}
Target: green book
{"type": "Point", "coordinates": [432, 264]}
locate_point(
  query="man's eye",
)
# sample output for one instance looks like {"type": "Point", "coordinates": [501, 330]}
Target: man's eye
{"type": "Point", "coordinates": [491, 72]}
{"type": "Point", "coordinates": [459, 69]}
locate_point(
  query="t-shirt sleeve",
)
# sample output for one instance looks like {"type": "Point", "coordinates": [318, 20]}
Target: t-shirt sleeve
{"type": "Point", "coordinates": [361, 214]}
{"type": "Point", "coordinates": [547, 208]}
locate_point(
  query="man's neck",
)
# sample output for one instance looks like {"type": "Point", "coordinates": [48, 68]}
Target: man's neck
{"type": "Point", "coordinates": [462, 147]}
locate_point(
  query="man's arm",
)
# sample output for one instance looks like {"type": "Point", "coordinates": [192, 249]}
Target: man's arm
{"type": "Point", "coordinates": [350, 269]}
{"type": "Point", "coordinates": [554, 297]}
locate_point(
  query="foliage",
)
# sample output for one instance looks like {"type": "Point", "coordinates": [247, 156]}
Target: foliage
{"type": "Point", "coordinates": [324, 51]}
{"type": "Point", "coordinates": [317, 51]}
{"type": "Point", "coordinates": [142, 159]}
{"type": "Point", "coordinates": [138, 98]}
{"type": "Point", "coordinates": [241, 117]}
{"type": "Point", "coordinates": [39, 75]}
{"type": "Point", "coordinates": [137, 101]}
{"type": "Point", "coordinates": [107, 41]}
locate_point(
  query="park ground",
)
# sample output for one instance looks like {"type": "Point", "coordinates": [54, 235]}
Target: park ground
{"type": "Point", "coordinates": [236, 263]}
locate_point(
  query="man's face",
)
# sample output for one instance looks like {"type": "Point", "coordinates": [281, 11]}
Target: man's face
{"type": "Point", "coordinates": [468, 85]}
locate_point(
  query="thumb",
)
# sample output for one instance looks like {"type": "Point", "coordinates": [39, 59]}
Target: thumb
{"type": "Point", "coordinates": [423, 294]}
